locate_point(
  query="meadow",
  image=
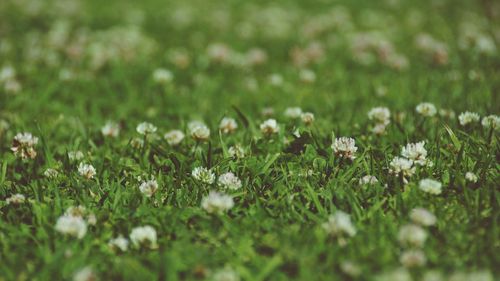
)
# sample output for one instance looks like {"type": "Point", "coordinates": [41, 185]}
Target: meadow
{"type": "Point", "coordinates": [250, 140]}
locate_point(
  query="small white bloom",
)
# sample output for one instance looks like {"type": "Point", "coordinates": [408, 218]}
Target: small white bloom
{"type": "Point", "coordinates": [307, 118]}
{"type": "Point", "coordinates": [422, 217]}
{"type": "Point", "coordinates": [24, 144]}
{"type": "Point", "coordinates": [491, 121]}
{"type": "Point", "coordinates": [86, 170]}
{"type": "Point", "coordinates": [293, 112]}
{"type": "Point", "coordinates": [339, 224]}
{"type": "Point", "coordinates": [470, 176]}
{"type": "Point", "coordinates": [143, 236]}
{"type": "Point", "coordinates": [344, 147]}
{"type": "Point", "coordinates": [269, 127]}
{"type": "Point", "coordinates": [412, 235]}
{"type": "Point", "coordinates": [72, 226]}
{"type": "Point", "coordinates": [276, 79]}
{"type": "Point", "coordinates": [368, 180]}
{"type": "Point", "coordinates": [225, 274]}
{"type": "Point", "coordinates": [379, 128]}
{"type": "Point", "coordinates": [402, 166]}
{"type": "Point", "coordinates": [236, 151]}
{"type": "Point", "coordinates": [465, 118]}
{"type": "Point", "coordinates": [307, 76]}
{"type": "Point", "coordinates": [426, 109]}
{"type": "Point", "coordinates": [75, 155]}
{"type": "Point", "coordinates": [110, 129]}
{"type": "Point", "coordinates": [217, 202]}
{"type": "Point", "coordinates": [148, 188]}
{"type": "Point", "coordinates": [146, 128]}
{"type": "Point", "coordinates": [350, 268]}
{"type": "Point", "coordinates": [430, 186]}
{"type": "Point", "coordinates": [174, 137]}
{"type": "Point", "coordinates": [228, 125]}
{"type": "Point", "coordinates": [15, 199]}
{"type": "Point", "coordinates": [162, 76]}
{"type": "Point", "coordinates": [119, 243]}
{"type": "Point", "coordinates": [199, 132]}
{"type": "Point", "coordinates": [85, 274]}
{"type": "Point", "coordinates": [413, 258]}
{"type": "Point", "coordinates": [51, 173]}
{"type": "Point", "coordinates": [229, 181]}
{"type": "Point", "coordinates": [203, 175]}
{"type": "Point", "coordinates": [380, 115]}
{"type": "Point", "coordinates": [447, 113]}
{"type": "Point", "coordinates": [415, 152]}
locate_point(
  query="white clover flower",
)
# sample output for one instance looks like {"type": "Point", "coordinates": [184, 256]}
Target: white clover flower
{"type": "Point", "coordinates": [422, 217]}
{"type": "Point", "coordinates": [236, 151]}
{"type": "Point", "coordinates": [75, 155]}
{"type": "Point", "coordinates": [293, 112]}
{"type": "Point", "coordinates": [225, 274]}
{"type": "Point", "coordinates": [228, 125]}
{"type": "Point", "coordinates": [470, 176]}
{"type": "Point", "coordinates": [416, 152]}
{"type": "Point", "coordinates": [146, 128]}
{"type": "Point", "coordinates": [85, 274]}
{"type": "Point", "coordinates": [269, 127]}
{"type": "Point", "coordinates": [276, 79]}
{"type": "Point", "coordinates": [413, 258]}
{"type": "Point", "coordinates": [380, 115]}
{"type": "Point", "coordinates": [430, 186]}
{"type": "Point", "coordinates": [148, 188]}
{"type": "Point", "coordinates": [344, 147]}
{"type": "Point", "coordinates": [143, 236]}
{"type": "Point", "coordinates": [379, 129]}
{"type": "Point", "coordinates": [307, 118]}
{"type": "Point", "coordinates": [402, 166]}
{"type": "Point", "coordinates": [51, 173]}
{"type": "Point", "coordinates": [15, 199]}
{"type": "Point", "coordinates": [137, 143]}
{"type": "Point", "coordinates": [307, 76]}
{"type": "Point", "coordinates": [174, 137]}
{"type": "Point", "coordinates": [86, 170]}
{"type": "Point", "coordinates": [217, 203]}
{"type": "Point", "coordinates": [119, 243]}
{"type": "Point", "coordinates": [71, 225]}
{"type": "Point", "coordinates": [110, 129]}
{"type": "Point", "coordinates": [350, 268]}
{"type": "Point", "coordinates": [368, 180]}
{"type": "Point", "coordinates": [426, 109]}
{"type": "Point", "coordinates": [466, 118]}
{"type": "Point", "coordinates": [199, 132]}
{"type": "Point", "coordinates": [23, 145]}
{"type": "Point", "coordinates": [491, 121]}
{"type": "Point", "coordinates": [412, 235]}
{"type": "Point", "coordinates": [339, 224]}
{"type": "Point", "coordinates": [447, 113]}
{"type": "Point", "coordinates": [76, 211]}
{"type": "Point", "coordinates": [203, 175]}
{"type": "Point", "coordinates": [229, 181]}
{"type": "Point", "coordinates": [162, 76]}
{"type": "Point", "coordinates": [7, 73]}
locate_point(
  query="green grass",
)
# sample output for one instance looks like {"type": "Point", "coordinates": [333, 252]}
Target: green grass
{"type": "Point", "coordinates": [289, 188]}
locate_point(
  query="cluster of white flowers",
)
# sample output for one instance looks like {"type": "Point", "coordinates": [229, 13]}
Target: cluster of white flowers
{"type": "Point", "coordinates": [23, 145]}
{"type": "Point", "coordinates": [293, 112]}
{"type": "Point", "coordinates": [203, 175]}
{"type": "Point", "coordinates": [110, 129]}
{"type": "Point", "coordinates": [9, 80]}
{"type": "Point", "coordinates": [422, 217]}
{"type": "Point", "coordinates": [86, 170]}
{"type": "Point", "coordinates": [217, 203]}
{"type": "Point", "coordinates": [430, 186]}
{"type": "Point", "coordinates": [75, 155]}
{"type": "Point", "coordinates": [403, 167]}
{"type": "Point", "coordinates": [225, 274]}
{"type": "Point", "coordinates": [50, 173]}
{"type": "Point", "coordinates": [174, 137]}
{"type": "Point", "coordinates": [269, 127]}
{"type": "Point", "coordinates": [426, 109]}
{"type": "Point", "coordinates": [198, 131]}
{"type": "Point", "coordinates": [417, 153]}
{"type": "Point", "coordinates": [368, 180]}
{"type": "Point", "coordinates": [162, 76]}
{"type": "Point", "coordinates": [307, 118]}
{"type": "Point", "coordinates": [491, 122]}
{"type": "Point", "coordinates": [339, 225]}
{"type": "Point", "coordinates": [15, 199]}
{"type": "Point", "coordinates": [148, 188]}
{"type": "Point", "coordinates": [470, 176]}
{"type": "Point", "coordinates": [228, 125]}
{"type": "Point", "coordinates": [467, 118]}
{"type": "Point", "coordinates": [72, 223]}
{"type": "Point", "coordinates": [119, 243]}
{"type": "Point", "coordinates": [229, 181]}
{"type": "Point", "coordinates": [236, 151]}
{"type": "Point", "coordinates": [381, 117]}
{"type": "Point", "coordinates": [344, 147]}
{"type": "Point", "coordinates": [144, 237]}
{"type": "Point", "coordinates": [85, 274]}
{"type": "Point", "coordinates": [146, 128]}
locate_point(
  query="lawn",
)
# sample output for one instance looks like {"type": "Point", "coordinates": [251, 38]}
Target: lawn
{"type": "Point", "coordinates": [250, 140]}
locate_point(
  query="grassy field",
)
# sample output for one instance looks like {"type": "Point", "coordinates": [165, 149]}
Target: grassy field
{"type": "Point", "coordinates": [250, 140]}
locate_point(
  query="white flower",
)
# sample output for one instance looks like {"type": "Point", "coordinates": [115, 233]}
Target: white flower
{"type": "Point", "coordinates": [162, 76]}
{"type": "Point", "coordinates": [217, 202]}
{"type": "Point", "coordinates": [23, 145]}
{"type": "Point", "coordinates": [174, 137]}
{"type": "Point", "coordinates": [148, 188]}
{"type": "Point", "coordinates": [199, 132]}
{"type": "Point", "coordinates": [85, 274]}
{"type": "Point", "coordinates": [491, 121]}
{"type": "Point", "coordinates": [143, 236]}
{"type": "Point", "coordinates": [51, 173]}
{"type": "Point", "coordinates": [228, 125]}
{"type": "Point", "coordinates": [307, 76]}
{"type": "Point", "coordinates": [120, 243]}
{"type": "Point", "coordinates": [225, 274]}
{"type": "Point", "coordinates": [426, 109]}
{"type": "Point", "coordinates": [15, 199]}
{"type": "Point", "coordinates": [430, 186]}
{"type": "Point", "coordinates": [307, 118]}
{"type": "Point", "coordinates": [413, 258]}
{"type": "Point", "coordinates": [86, 170]}
{"type": "Point", "coordinates": [402, 166]}
{"type": "Point", "coordinates": [229, 181]}
{"type": "Point", "coordinates": [110, 129]}
{"type": "Point", "coordinates": [412, 235]}
{"type": "Point", "coordinates": [470, 176]}
{"type": "Point", "coordinates": [146, 128]}
{"type": "Point", "coordinates": [236, 151]}
{"type": "Point", "coordinates": [379, 128]}
{"type": "Point", "coordinates": [75, 155]}
{"type": "Point", "coordinates": [203, 175]}
{"type": "Point", "coordinates": [276, 79]}
{"type": "Point", "coordinates": [293, 112]}
{"type": "Point", "coordinates": [422, 217]}
{"type": "Point", "coordinates": [72, 226]}
{"type": "Point", "coordinates": [350, 268]}
{"type": "Point", "coordinates": [415, 152]}
{"type": "Point", "coordinates": [447, 113]}
{"type": "Point", "coordinates": [339, 224]}
{"type": "Point", "coordinates": [368, 180]}
{"type": "Point", "coordinates": [380, 115]}
{"type": "Point", "coordinates": [344, 147]}
{"type": "Point", "coordinates": [269, 127]}
{"type": "Point", "coordinates": [465, 118]}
